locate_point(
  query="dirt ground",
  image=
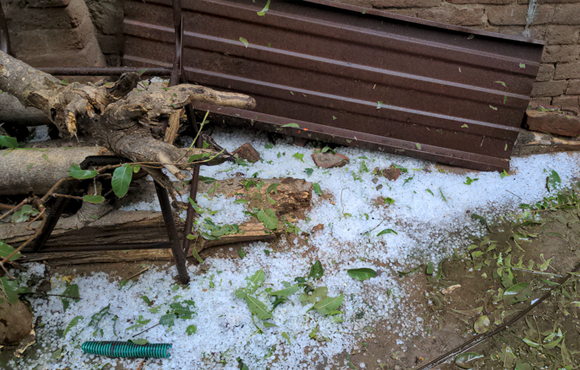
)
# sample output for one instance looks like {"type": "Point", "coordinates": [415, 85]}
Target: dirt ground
{"type": "Point", "coordinates": [510, 255]}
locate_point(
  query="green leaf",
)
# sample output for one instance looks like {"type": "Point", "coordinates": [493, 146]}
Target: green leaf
{"type": "Point", "coordinates": [299, 156]}
{"type": "Point", "coordinates": [194, 205]}
{"type": "Point", "coordinates": [387, 231]}
{"type": "Point", "coordinates": [530, 343]}
{"type": "Point", "coordinates": [270, 325]}
{"type": "Point", "coordinates": [244, 41]}
{"type": "Point", "coordinates": [470, 180]}
{"type": "Point", "coordinates": [8, 142]}
{"type": "Point", "coordinates": [240, 201]}
{"type": "Point", "coordinates": [241, 252]}
{"type": "Point", "coordinates": [501, 83]}
{"type": "Point", "coordinates": [6, 250]}
{"type": "Point", "coordinates": [389, 200]}
{"type": "Point", "coordinates": [293, 125]}
{"type": "Point", "coordinates": [429, 269]}
{"type": "Point", "coordinates": [361, 274]}
{"type": "Point", "coordinates": [328, 304]}
{"type": "Point", "coordinates": [481, 324]}
{"type": "Point", "coordinates": [72, 324]}
{"type": "Point", "coordinates": [316, 270]}
{"type": "Point", "coordinates": [24, 214]}
{"type": "Point", "coordinates": [320, 292]}
{"type": "Point", "coordinates": [268, 218]}
{"type": "Point", "coordinates": [379, 104]}
{"type": "Point", "coordinates": [122, 177]}
{"type": "Point", "coordinates": [257, 307]}
{"type": "Point", "coordinates": [268, 146]}
{"type": "Point", "coordinates": [95, 199]}
{"type": "Point", "coordinates": [10, 288]}
{"type": "Point", "coordinates": [442, 195]}
{"type": "Point", "coordinates": [72, 291]}
{"type": "Point", "coordinates": [481, 220]}
{"type": "Point", "coordinates": [522, 65]}
{"type": "Point", "coordinates": [167, 320]}
{"type": "Point", "coordinates": [503, 174]}
{"type": "Point", "coordinates": [123, 283]}
{"type": "Point", "coordinates": [286, 292]}
{"type": "Point", "coordinates": [516, 293]}
{"type": "Point", "coordinates": [191, 329]}
{"type": "Point", "coordinates": [273, 188]}
{"type": "Point", "coordinates": [316, 188]}
{"type": "Point", "coordinates": [418, 146]}
{"type": "Point", "coordinates": [285, 335]}
{"type": "Point", "coordinates": [492, 107]}
{"type": "Point", "coordinates": [45, 157]}
{"type": "Point", "coordinates": [262, 12]}
{"type": "Point", "coordinates": [464, 126]}
{"type": "Point", "coordinates": [553, 180]}
{"type": "Point", "coordinates": [141, 71]}
{"type": "Point", "coordinates": [57, 354]}
{"type": "Point", "coordinates": [464, 360]}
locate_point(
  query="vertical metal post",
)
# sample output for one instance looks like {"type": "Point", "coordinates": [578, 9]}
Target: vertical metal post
{"type": "Point", "coordinates": [4, 36]}
{"type": "Point", "coordinates": [178, 254]}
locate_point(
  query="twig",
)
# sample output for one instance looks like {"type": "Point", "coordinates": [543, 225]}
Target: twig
{"type": "Point", "coordinates": [36, 218]}
{"type": "Point", "coordinates": [6, 271]}
{"type": "Point", "coordinates": [25, 201]}
{"type": "Point", "coordinates": [138, 273]}
{"type": "Point", "coordinates": [25, 243]}
{"type": "Point", "coordinates": [514, 194]}
{"type": "Point", "coordinates": [53, 295]}
{"type": "Point", "coordinates": [483, 337]}
{"type": "Point", "coordinates": [146, 330]}
{"type": "Point", "coordinates": [53, 189]}
{"type": "Point", "coordinates": [536, 272]}
{"type": "Point", "coordinates": [140, 367]}
{"type": "Point", "coordinates": [66, 196]}
{"type": "Point", "coordinates": [373, 229]}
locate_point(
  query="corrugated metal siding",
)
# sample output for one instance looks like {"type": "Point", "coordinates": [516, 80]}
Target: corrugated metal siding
{"type": "Point", "coordinates": [326, 67]}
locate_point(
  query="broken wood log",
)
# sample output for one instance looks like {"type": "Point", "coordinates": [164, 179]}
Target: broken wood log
{"type": "Point", "coordinates": [530, 142]}
{"type": "Point", "coordinates": [291, 196]}
{"type": "Point", "coordinates": [117, 114]}
{"type": "Point", "coordinates": [37, 170]}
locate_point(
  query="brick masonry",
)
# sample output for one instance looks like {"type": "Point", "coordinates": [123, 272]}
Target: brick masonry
{"type": "Point", "coordinates": [557, 22]}
{"type": "Point", "coordinates": [56, 32]}
{"type": "Point", "coordinates": [49, 33]}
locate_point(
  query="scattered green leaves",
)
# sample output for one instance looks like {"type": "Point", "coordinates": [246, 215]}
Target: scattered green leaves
{"type": "Point", "coordinates": [362, 273]}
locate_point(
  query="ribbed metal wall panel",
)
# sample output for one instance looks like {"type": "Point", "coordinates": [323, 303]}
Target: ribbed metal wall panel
{"type": "Point", "coordinates": [448, 94]}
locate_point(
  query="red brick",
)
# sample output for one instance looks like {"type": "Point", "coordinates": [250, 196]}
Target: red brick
{"type": "Point", "coordinates": [27, 18]}
{"type": "Point", "coordinates": [549, 88]}
{"type": "Point", "coordinates": [567, 70]}
{"type": "Point", "coordinates": [562, 35]}
{"type": "Point", "coordinates": [554, 123]}
{"type": "Point", "coordinates": [573, 87]}
{"type": "Point", "coordinates": [51, 41]}
{"type": "Point", "coordinates": [385, 4]}
{"type": "Point", "coordinates": [567, 103]}
{"type": "Point", "coordinates": [462, 16]}
{"type": "Point", "coordinates": [47, 3]}
{"type": "Point", "coordinates": [560, 53]}
{"type": "Point", "coordinates": [410, 12]}
{"type": "Point", "coordinates": [539, 101]}
{"type": "Point", "coordinates": [515, 15]}
{"type": "Point", "coordinates": [495, 2]}
{"type": "Point", "coordinates": [566, 14]}
{"type": "Point", "coordinates": [546, 72]}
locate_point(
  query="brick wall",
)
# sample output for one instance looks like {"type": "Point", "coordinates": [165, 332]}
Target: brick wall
{"type": "Point", "coordinates": [555, 21]}
{"type": "Point", "coordinates": [52, 33]}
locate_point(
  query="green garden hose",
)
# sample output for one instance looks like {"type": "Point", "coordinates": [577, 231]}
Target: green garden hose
{"type": "Point", "coordinates": [127, 349]}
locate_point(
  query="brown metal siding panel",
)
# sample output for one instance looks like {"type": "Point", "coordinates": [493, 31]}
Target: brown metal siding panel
{"type": "Point", "coordinates": [328, 67]}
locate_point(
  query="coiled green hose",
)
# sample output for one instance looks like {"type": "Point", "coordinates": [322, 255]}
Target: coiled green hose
{"type": "Point", "coordinates": [127, 349]}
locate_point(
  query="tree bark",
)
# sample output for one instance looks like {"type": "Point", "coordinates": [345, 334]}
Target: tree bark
{"type": "Point", "coordinates": [36, 169]}
{"type": "Point", "coordinates": [118, 114]}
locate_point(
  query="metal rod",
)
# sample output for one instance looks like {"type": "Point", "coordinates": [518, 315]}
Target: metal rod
{"type": "Point", "coordinates": [178, 254]}
{"type": "Point", "coordinates": [104, 71]}
{"type": "Point", "coordinates": [99, 247]}
{"type": "Point", "coordinates": [54, 214]}
{"type": "Point", "coordinates": [4, 35]}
